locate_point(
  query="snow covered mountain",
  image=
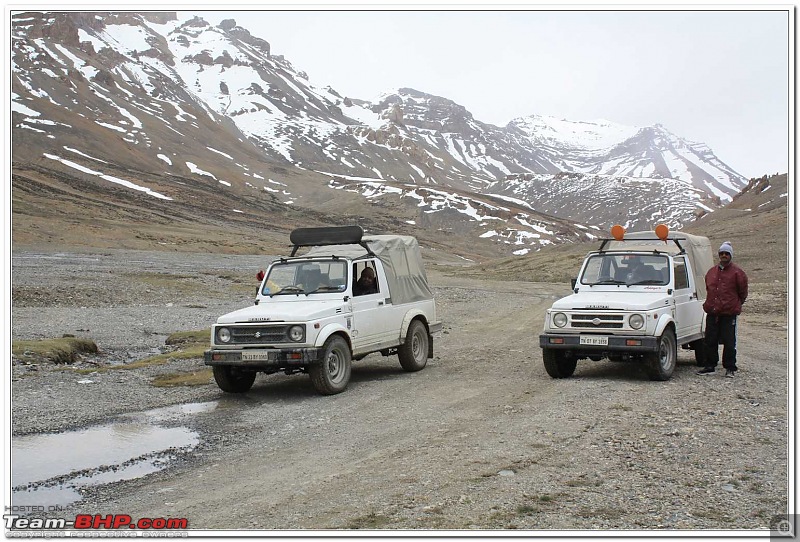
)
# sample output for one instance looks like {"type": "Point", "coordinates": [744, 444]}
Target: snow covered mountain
{"type": "Point", "coordinates": [606, 148]}
{"type": "Point", "coordinates": [194, 115]}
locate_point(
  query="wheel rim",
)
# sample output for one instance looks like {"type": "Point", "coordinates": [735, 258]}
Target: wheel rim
{"type": "Point", "coordinates": [418, 346]}
{"type": "Point", "coordinates": [334, 366]}
{"type": "Point", "coordinates": [665, 354]}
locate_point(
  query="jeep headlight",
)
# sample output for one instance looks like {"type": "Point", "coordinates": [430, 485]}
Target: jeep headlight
{"type": "Point", "coordinates": [636, 321]}
{"type": "Point", "coordinates": [559, 319]}
{"type": "Point", "coordinates": [297, 333]}
{"type": "Point", "coordinates": [224, 335]}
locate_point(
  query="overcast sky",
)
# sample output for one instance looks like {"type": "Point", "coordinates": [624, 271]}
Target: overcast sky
{"type": "Point", "coordinates": [718, 77]}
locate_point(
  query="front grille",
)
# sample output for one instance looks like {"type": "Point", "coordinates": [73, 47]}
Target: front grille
{"type": "Point", "coordinates": [258, 334]}
{"type": "Point", "coordinates": [598, 321]}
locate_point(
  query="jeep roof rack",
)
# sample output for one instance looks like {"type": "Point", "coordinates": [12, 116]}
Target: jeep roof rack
{"type": "Point", "coordinates": [329, 235]}
{"type": "Point", "coordinates": [673, 239]}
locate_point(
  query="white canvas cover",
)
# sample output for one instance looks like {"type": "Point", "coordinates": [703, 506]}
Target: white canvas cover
{"type": "Point", "coordinates": [697, 247]}
{"type": "Point", "coordinates": [401, 260]}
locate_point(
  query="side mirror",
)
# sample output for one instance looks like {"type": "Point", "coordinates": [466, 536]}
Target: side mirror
{"type": "Point", "coordinates": [573, 282]}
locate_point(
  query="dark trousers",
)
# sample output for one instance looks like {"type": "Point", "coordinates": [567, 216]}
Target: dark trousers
{"type": "Point", "coordinates": [721, 330]}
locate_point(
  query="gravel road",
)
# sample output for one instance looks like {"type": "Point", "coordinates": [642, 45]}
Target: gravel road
{"type": "Point", "coordinates": [480, 439]}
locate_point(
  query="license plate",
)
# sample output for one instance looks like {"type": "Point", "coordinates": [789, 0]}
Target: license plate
{"type": "Point", "coordinates": [594, 340]}
{"type": "Point", "coordinates": [259, 355]}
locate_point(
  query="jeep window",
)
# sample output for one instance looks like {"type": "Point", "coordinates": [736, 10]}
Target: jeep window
{"type": "Point", "coordinates": [628, 269]}
{"type": "Point", "coordinates": [681, 276]}
{"type": "Point", "coordinates": [362, 286]}
{"type": "Point", "coordinates": [304, 277]}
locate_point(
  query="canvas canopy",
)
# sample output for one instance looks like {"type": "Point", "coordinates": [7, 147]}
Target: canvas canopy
{"type": "Point", "coordinates": [401, 260]}
{"type": "Point", "coordinates": [698, 250]}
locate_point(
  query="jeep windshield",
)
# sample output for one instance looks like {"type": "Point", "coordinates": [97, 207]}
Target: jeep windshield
{"type": "Point", "coordinates": [626, 269]}
{"type": "Point", "coordinates": [306, 277]}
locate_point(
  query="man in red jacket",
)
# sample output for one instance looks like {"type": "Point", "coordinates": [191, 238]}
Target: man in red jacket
{"type": "Point", "coordinates": [726, 287]}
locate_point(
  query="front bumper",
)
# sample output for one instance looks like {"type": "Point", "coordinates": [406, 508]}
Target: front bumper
{"type": "Point", "coordinates": [616, 343]}
{"type": "Point", "coordinates": [267, 358]}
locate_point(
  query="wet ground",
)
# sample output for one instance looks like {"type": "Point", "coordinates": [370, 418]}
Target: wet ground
{"type": "Point", "coordinates": [56, 467]}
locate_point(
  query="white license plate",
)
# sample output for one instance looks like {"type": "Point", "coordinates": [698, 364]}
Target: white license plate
{"type": "Point", "coordinates": [594, 340]}
{"type": "Point", "coordinates": [259, 355]}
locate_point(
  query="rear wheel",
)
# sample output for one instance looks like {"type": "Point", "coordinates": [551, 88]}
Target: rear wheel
{"type": "Point", "coordinates": [557, 364]}
{"type": "Point", "coordinates": [413, 353]}
{"type": "Point", "coordinates": [332, 374]}
{"type": "Point", "coordinates": [661, 363]}
{"type": "Point", "coordinates": [233, 379]}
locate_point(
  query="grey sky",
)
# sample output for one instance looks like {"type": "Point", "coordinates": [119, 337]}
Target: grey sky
{"type": "Point", "coordinates": [719, 77]}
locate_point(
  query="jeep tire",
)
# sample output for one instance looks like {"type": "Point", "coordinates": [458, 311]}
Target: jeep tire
{"type": "Point", "coordinates": [332, 373]}
{"type": "Point", "coordinates": [232, 379]}
{"type": "Point", "coordinates": [661, 363]}
{"type": "Point", "coordinates": [413, 353]}
{"type": "Point", "coordinates": [557, 364]}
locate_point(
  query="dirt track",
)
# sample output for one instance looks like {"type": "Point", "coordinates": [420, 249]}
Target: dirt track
{"type": "Point", "coordinates": [481, 438]}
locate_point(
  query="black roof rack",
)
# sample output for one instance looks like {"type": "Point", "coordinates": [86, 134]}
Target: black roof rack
{"type": "Point", "coordinates": [329, 235]}
{"type": "Point", "coordinates": [674, 240]}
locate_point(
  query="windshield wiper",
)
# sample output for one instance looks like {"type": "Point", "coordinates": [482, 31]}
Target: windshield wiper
{"type": "Point", "coordinates": [607, 281]}
{"type": "Point", "coordinates": [289, 290]}
{"type": "Point", "coordinates": [327, 289]}
{"type": "Point", "coordinates": [648, 281]}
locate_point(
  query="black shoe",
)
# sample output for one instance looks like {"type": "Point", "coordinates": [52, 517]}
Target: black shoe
{"type": "Point", "coordinates": [730, 373]}
{"type": "Point", "coordinates": [707, 371]}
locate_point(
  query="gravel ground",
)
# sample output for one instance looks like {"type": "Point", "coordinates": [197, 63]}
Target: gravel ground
{"type": "Point", "coordinates": [481, 439]}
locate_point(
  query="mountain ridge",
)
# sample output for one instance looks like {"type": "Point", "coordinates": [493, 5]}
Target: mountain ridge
{"type": "Point", "coordinates": [187, 108]}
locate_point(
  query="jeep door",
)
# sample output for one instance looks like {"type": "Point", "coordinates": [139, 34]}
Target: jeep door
{"type": "Point", "coordinates": [367, 308]}
{"type": "Point", "coordinates": [688, 309]}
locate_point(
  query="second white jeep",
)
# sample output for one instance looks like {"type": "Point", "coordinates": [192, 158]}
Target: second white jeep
{"type": "Point", "coordinates": [638, 298]}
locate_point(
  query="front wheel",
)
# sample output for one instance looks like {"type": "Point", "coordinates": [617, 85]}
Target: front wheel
{"type": "Point", "coordinates": [557, 364]}
{"type": "Point", "coordinates": [413, 353]}
{"type": "Point", "coordinates": [232, 379]}
{"type": "Point", "coordinates": [332, 374]}
{"type": "Point", "coordinates": [661, 364]}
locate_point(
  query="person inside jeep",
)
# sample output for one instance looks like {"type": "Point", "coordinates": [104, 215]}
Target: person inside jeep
{"type": "Point", "coordinates": [639, 272]}
{"type": "Point", "coordinates": [366, 283]}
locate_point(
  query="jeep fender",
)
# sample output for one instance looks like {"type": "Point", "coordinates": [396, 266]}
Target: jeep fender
{"type": "Point", "coordinates": [329, 330]}
{"type": "Point", "coordinates": [663, 322]}
{"type": "Point", "coordinates": [410, 315]}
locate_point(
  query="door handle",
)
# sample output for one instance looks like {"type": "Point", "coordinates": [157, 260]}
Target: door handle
{"type": "Point", "coordinates": [380, 303]}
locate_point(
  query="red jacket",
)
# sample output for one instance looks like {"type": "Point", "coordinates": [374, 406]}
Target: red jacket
{"type": "Point", "coordinates": [726, 290]}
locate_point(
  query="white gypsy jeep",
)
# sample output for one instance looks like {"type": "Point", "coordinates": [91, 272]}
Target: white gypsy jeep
{"type": "Point", "coordinates": [308, 319]}
{"type": "Point", "coordinates": [637, 298]}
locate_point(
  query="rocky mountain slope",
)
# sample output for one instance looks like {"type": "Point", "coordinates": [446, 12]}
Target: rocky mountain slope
{"type": "Point", "coordinates": [150, 120]}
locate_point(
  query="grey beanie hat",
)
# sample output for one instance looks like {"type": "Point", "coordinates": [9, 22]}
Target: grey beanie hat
{"type": "Point", "coordinates": [726, 247]}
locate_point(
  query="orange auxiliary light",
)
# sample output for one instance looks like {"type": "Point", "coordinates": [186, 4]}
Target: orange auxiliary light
{"type": "Point", "coordinates": [662, 231]}
{"type": "Point", "coordinates": [618, 232]}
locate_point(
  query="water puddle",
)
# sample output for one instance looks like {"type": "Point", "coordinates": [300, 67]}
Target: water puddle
{"type": "Point", "coordinates": [50, 470]}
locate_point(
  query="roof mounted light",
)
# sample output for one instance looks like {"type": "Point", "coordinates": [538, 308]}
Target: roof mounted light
{"type": "Point", "coordinates": [662, 231]}
{"type": "Point", "coordinates": [617, 232]}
